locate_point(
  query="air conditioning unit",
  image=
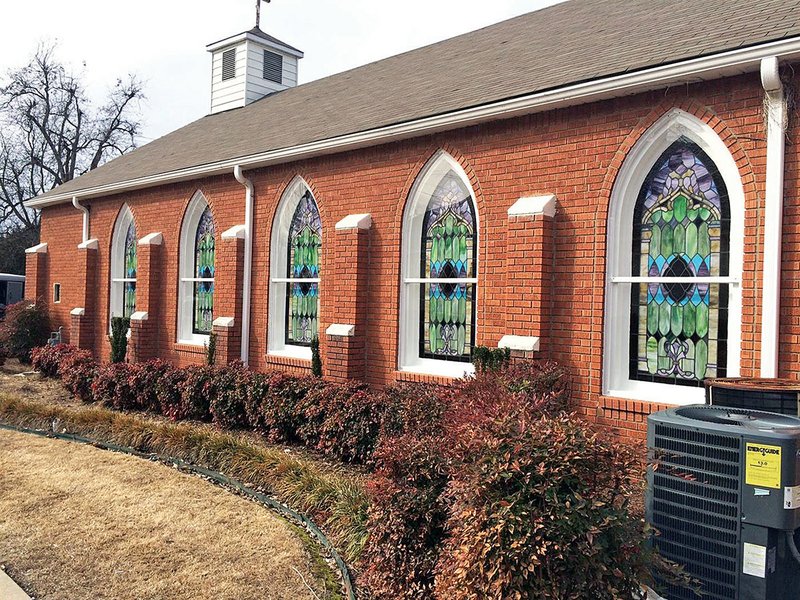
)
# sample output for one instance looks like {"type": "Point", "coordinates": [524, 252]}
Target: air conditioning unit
{"type": "Point", "coordinates": [724, 493]}
{"type": "Point", "coordinates": [770, 395]}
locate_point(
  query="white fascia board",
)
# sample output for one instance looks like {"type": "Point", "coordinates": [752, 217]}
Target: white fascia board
{"type": "Point", "coordinates": [152, 239]}
{"type": "Point", "coordinates": [235, 232]}
{"type": "Point", "coordinates": [534, 206]}
{"type": "Point", "coordinates": [733, 62]}
{"type": "Point", "coordinates": [37, 249]}
{"type": "Point", "coordinates": [523, 343]}
{"type": "Point", "coordinates": [341, 330]}
{"type": "Point", "coordinates": [360, 221]}
{"type": "Point", "coordinates": [89, 245]}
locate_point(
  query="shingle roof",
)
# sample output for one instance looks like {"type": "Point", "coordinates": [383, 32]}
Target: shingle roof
{"type": "Point", "coordinates": [578, 40]}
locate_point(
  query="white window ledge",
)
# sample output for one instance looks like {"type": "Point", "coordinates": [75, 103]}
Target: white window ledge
{"type": "Point", "coordinates": [522, 343]}
{"type": "Point", "coordinates": [300, 352]}
{"type": "Point", "coordinates": [442, 368]}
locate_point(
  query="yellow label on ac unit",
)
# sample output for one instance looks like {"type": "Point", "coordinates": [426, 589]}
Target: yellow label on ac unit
{"type": "Point", "coordinates": [763, 466]}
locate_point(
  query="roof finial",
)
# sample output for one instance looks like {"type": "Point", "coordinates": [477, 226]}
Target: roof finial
{"type": "Point", "coordinates": [258, 12]}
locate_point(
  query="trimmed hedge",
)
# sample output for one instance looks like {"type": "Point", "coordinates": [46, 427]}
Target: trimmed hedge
{"type": "Point", "coordinates": [485, 488]}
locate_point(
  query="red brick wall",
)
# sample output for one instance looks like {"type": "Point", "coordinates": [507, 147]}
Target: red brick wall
{"type": "Point", "coordinates": [573, 153]}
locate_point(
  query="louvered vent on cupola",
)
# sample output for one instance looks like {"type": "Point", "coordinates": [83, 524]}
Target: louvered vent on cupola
{"type": "Point", "coordinates": [249, 66]}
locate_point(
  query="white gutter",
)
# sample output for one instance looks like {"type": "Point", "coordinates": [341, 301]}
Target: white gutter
{"type": "Point", "coordinates": [775, 111]}
{"type": "Point", "coordinates": [85, 212]}
{"type": "Point", "coordinates": [248, 260]}
{"type": "Point", "coordinates": [744, 60]}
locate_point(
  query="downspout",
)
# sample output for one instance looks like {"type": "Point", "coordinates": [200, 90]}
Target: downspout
{"type": "Point", "coordinates": [248, 260]}
{"type": "Point", "coordinates": [775, 113]}
{"type": "Point", "coordinates": [85, 212]}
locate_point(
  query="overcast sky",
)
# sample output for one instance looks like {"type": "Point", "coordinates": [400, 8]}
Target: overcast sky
{"type": "Point", "coordinates": [163, 41]}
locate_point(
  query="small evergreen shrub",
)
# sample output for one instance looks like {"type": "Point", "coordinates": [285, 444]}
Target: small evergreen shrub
{"type": "Point", "coordinates": [316, 358]}
{"type": "Point", "coordinates": [119, 338]}
{"type": "Point", "coordinates": [111, 387]}
{"type": "Point", "coordinates": [143, 381]}
{"type": "Point", "coordinates": [490, 359]}
{"type": "Point", "coordinates": [26, 326]}
{"type": "Point", "coordinates": [47, 359]}
{"type": "Point", "coordinates": [211, 350]}
{"type": "Point", "coordinates": [227, 405]}
{"type": "Point", "coordinates": [77, 371]}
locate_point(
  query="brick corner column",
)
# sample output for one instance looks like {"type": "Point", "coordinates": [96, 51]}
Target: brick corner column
{"type": "Point", "coordinates": [529, 266]}
{"type": "Point", "coordinates": [345, 343]}
{"type": "Point", "coordinates": [144, 340]}
{"type": "Point", "coordinates": [36, 272]}
{"type": "Point", "coordinates": [83, 316]}
{"type": "Point", "coordinates": [228, 290]}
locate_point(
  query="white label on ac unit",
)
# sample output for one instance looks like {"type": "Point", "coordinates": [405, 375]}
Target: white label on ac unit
{"type": "Point", "coordinates": [760, 492]}
{"type": "Point", "coordinates": [791, 497]}
{"type": "Point", "coordinates": [755, 560]}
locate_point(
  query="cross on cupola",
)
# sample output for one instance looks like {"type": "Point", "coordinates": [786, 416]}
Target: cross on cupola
{"type": "Point", "coordinates": [258, 12]}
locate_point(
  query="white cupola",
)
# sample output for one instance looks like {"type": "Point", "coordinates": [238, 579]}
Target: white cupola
{"type": "Point", "coordinates": [249, 66]}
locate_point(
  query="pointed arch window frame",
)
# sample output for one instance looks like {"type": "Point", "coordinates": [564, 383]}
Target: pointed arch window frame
{"type": "Point", "coordinates": [639, 163]}
{"type": "Point", "coordinates": [188, 279]}
{"type": "Point", "coordinates": [119, 279]}
{"type": "Point", "coordinates": [412, 280]}
{"type": "Point", "coordinates": [278, 342]}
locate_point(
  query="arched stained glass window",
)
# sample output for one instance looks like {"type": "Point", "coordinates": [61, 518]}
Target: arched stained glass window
{"type": "Point", "coordinates": [204, 257]}
{"type": "Point", "coordinates": [448, 256]}
{"type": "Point", "coordinates": [302, 294]}
{"type": "Point", "coordinates": [129, 294]}
{"type": "Point", "coordinates": [681, 229]}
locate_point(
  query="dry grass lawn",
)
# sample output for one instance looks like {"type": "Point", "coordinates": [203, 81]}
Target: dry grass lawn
{"type": "Point", "coordinates": [79, 523]}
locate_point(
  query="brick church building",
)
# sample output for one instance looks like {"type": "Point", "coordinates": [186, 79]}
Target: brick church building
{"type": "Point", "coordinates": [613, 185]}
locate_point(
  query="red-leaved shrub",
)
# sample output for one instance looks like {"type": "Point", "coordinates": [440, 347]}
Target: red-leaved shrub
{"type": "Point", "coordinates": [47, 359]}
{"type": "Point", "coordinates": [143, 381]}
{"type": "Point", "coordinates": [281, 414]}
{"type": "Point", "coordinates": [169, 394]}
{"type": "Point", "coordinates": [26, 326]}
{"type": "Point", "coordinates": [3, 355]}
{"type": "Point", "coordinates": [197, 388]}
{"type": "Point", "coordinates": [227, 404]}
{"type": "Point", "coordinates": [111, 387]}
{"type": "Point", "coordinates": [77, 371]}
{"type": "Point", "coordinates": [342, 420]}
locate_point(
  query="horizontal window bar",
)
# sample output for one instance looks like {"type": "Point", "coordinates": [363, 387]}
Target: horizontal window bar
{"type": "Point", "coordinates": [123, 280]}
{"type": "Point", "coordinates": [197, 279]}
{"type": "Point", "coordinates": [729, 280]}
{"type": "Point", "coordinates": [295, 280]}
{"type": "Point", "coordinates": [441, 280]}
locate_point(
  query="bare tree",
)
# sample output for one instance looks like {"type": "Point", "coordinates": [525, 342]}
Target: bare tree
{"type": "Point", "coordinates": [51, 133]}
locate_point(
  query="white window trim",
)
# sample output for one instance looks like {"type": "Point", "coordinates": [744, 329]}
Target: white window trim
{"type": "Point", "coordinates": [118, 280]}
{"type": "Point", "coordinates": [187, 279]}
{"type": "Point", "coordinates": [413, 215]}
{"type": "Point", "coordinates": [616, 350]}
{"type": "Point", "coordinates": [279, 275]}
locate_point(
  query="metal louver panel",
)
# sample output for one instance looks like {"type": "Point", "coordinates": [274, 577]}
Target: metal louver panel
{"type": "Point", "coordinates": [273, 67]}
{"type": "Point", "coordinates": [229, 64]}
{"type": "Point", "coordinates": [695, 506]}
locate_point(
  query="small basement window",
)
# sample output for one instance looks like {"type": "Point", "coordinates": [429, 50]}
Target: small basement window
{"type": "Point", "coordinates": [56, 293]}
{"type": "Point", "coordinates": [273, 67]}
{"type": "Point", "coordinates": [229, 64]}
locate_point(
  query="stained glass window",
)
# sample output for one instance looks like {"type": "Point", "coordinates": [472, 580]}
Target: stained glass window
{"type": "Point", "coordinates": [302, 296]}
{"type": "Point", "coordinates": [448, 251]}
{"type": "Point", "coordinates": [204, 256]}
{"type": "Point", "coordinates": [681, 230]}
{"type": "Point", "coordinates": [129, 287]}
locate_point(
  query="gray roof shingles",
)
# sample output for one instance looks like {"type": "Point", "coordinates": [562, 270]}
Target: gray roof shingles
{"type": "Point", "coordinates": [578, 40]}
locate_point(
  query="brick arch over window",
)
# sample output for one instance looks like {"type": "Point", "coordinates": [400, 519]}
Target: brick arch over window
{"type": "Point", "coordinates": [295, 259]}
{"type": "Point", "coordinates": [645, 324]}
{"type": "Point", "coordinates": [123, 255]}
{"type": "Point", "coordinates": [439, 271]}
{"type": "Point", "coordinates": [197, 270]}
